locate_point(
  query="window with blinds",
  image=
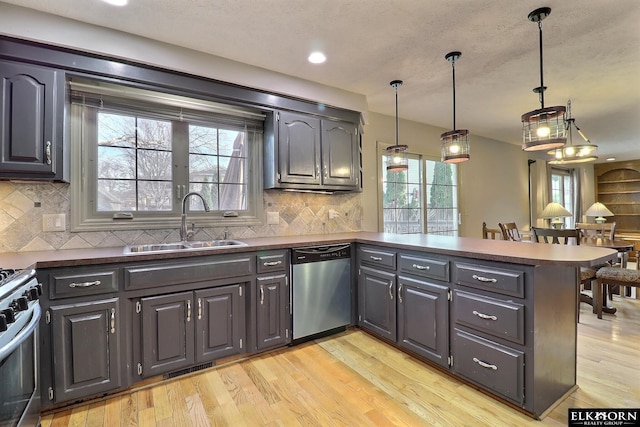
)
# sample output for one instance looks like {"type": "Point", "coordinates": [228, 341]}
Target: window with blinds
{"type": "Point", "coordinates": [140, 151]}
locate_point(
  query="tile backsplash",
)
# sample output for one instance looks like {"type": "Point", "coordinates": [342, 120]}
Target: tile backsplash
{"type": "Point", "coordinates": [22, 206]}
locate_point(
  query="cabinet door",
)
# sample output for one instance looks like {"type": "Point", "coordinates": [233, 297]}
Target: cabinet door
{"type": "Point", "coordinates": [220, 325]}
{"type": "Point", "coordinates": [339, 153]}
{"type": "Point", "coordinates": [377, 303]}
{"type": "Point", "coordinates": [273, 314]}
{"type": "Point", "coordinates": [86, 350]}
{"type": "Point", "coordinates": [423, 319]}
{"type": "Point", "coordinates": [299, 149]}
{"type": "Point", "coordinates": [31, 121]}
{"type": "Point", "coordinates": [167, 333]}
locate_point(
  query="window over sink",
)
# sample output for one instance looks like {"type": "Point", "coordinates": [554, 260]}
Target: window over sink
{"type": "Point", "coordinates": [140, 151]}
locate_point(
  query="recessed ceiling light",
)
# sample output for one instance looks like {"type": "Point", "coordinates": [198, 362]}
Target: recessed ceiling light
{"type": "Point", "coordinates": [610, 159]}
{"type": "Point", "coordinates": [116, 2]}
{"type": "Point", "coordinates": [317, 58]}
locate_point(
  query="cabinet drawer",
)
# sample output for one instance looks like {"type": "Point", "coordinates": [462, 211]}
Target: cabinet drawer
{"type": "Point", "coordinates": [69, 283]}
{"type": "Point", "coordinates": [493, 316]}
{"type": "Point", "coordinates": [145, 276]}
{"type": "Point", "coordinates": [489, 364]}
{"type": "Point", "coordinates": [507, 282]}
{"type": "Point", "coordinates": [272, 261]}
{"type": "Point", "coordinates": [377, 257]}
{"type": "Point", "coordinates": [427, 267]}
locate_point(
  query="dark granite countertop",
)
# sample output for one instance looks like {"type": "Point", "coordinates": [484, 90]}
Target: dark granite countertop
{"type": "Point", "coordinates": [493, 250]}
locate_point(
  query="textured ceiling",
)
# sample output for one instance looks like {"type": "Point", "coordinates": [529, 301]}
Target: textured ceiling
{"type": "Point", "coordinates": [591, 54]}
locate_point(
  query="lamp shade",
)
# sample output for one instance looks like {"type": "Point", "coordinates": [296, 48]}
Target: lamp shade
{"type": "Point", "coordinates": [555, 210]}
{"type": "Point", "coordinates": [599, 211]}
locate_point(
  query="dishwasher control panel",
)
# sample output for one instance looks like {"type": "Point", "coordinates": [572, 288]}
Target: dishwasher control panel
{"type": "Point", "coordinates": [320, 253]}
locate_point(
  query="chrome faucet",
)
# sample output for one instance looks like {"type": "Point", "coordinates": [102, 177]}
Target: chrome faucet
{"type": "Point", "coordinates": [184, 233]}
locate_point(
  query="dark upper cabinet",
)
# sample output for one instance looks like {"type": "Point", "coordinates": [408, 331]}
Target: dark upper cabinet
{"type": "Point", "coordinates": [32, 122]}
{"type": "Point", "coordinates": [310, 153]}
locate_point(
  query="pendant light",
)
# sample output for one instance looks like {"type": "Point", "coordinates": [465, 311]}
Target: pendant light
{"type": "Point", "coordinates": [397, 153]}
{"type": "Point", "coordinates": [454, 145]}
{"type": "Point", "coordinates": [570, 154]}
{"type": "Point", "coordinates": [544, 128]}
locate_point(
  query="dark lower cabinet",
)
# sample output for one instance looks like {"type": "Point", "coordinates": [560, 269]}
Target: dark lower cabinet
{"type": "Point", "coordinates": [377, 305]}
{"type": "Point", "coordinates": [86, 351]}
{"type": "Point", "coordinates": [272, 311]}
{"type": "Point", "coordinates": [167, 333]}
{"type": "Point", "coordinates": [423, 319]}
{"type": "Point", "coordinates": [178, 330]}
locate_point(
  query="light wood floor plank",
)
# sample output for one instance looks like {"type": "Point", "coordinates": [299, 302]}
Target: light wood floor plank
{"type": "Point", "coordinates": [353, 379]}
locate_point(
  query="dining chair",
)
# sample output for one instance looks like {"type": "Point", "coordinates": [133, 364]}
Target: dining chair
{"type": "Point", "coordinates": [510, 231]}
{"type": "Point", "coordinates": [567, 236]}
{"type": "Point", "coordinates": [491, 233]}
{"type": "Point", "coordinates": [606, 230]}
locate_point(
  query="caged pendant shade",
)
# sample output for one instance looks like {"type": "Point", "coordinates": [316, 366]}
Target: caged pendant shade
{"type": "Point", "coordinates": [454, 145]}
{"type": "Point", "coordinates": [544, 128]}
{"type": "Point", "coordinates": [397, 154]}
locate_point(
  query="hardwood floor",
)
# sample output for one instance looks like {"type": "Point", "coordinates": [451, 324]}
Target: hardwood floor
{"type": "Point", "coordinates": [353, 379]}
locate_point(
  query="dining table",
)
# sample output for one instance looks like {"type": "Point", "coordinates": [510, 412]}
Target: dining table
{"type": "Point", "coordinates": [623, 247]}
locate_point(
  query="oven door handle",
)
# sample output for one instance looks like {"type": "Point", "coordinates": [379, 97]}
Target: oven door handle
{"type": "Point", "coordinates": [23, 334]}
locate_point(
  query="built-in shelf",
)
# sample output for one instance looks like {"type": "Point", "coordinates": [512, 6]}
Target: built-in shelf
{"type": "Point", "coordinates": [618, 187]}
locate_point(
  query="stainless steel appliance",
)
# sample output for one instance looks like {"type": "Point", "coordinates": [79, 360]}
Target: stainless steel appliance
{"type": "Point", "coordinates": [19, 366]}
{"type": "Point", "coordinates": [321, 289]}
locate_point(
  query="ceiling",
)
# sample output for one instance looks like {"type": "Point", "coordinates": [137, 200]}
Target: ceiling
{"type": "Point", "coordinates": [591, 54]}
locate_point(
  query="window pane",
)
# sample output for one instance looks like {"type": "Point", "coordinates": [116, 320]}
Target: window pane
{"type": "Point", "coordinates": [442, 205]}
{"type": "Point", "coordinates": [154, 196]}
{"type": "Point", "coordinates": [210, 194]}
{"type": "Point", "coordinates": [154, 134]}
{"type": "Point", "coordinates": [116, 130]}
{"type": "Point", "coordinates": [203, 168]}
{"type": "Point", "coordinates": [116, 195]}
{"type": "Point", "coordinates": [116, 163]}
{"type": "Point", "coordinates": [154, 165]}
{"type": "Point", "coordinates": [402, 209]}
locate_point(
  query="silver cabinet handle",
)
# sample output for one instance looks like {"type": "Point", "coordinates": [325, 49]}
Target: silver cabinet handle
{"type": "Point", "coordinates": [326, 173]}
{"type": "Point", "coordinates": [484, 364]}
{"type": "Point", "coordinates": [375, 258]}
{"type": "Point", "coordinates": [484, 279]}
{"type": "Point", "coordinates": [390, 290]}
{"type": "Point", "coordinates": [421, 267]}
{"type": "Point", "coordinates": [400, 293]}
{"type": "Point", "coordinates": [199, 308]}
{"type": "Point", "coordinates": [484, 316]}
{"type": "Point", "coordinates": [271, 263]}
{"type": "Point", "coordinates": [85, 284]}
{"type": "Point", "coordinates": [47, 152]}
{"type": "Point", "coordinates": [261, 294]}
{"type": "Point", "coordinates": [188, 310]}
{"type": "Point", "coordinates": [113, 321]}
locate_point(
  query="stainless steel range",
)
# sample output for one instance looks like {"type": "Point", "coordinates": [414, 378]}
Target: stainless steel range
{"type": "Point", "coordinates": [19, 368]}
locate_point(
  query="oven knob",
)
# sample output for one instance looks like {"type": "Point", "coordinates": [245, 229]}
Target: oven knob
{"type": "Point", "coordinates": [21, 304]}
{"type": "Point", "coordinates": [9, 315]}
{"type": "Point", "coordinates": [32, 294]}
{"type": "Point", "coordinates": [3, 323]}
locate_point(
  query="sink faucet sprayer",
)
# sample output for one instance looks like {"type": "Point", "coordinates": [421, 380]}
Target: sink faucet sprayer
{"type": "Point", "coordinates": [184, 233]}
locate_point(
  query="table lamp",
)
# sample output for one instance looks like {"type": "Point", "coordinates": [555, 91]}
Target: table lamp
{"type": "Point", "coordinates": [554, 211]}
{"type": "Point", "coordinates": [599, 211]}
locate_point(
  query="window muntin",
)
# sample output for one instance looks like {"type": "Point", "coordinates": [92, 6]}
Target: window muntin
{"type": "Point", "coordinates": [442, 202]}
{"type": "Point", "coordinates": [139, 158]}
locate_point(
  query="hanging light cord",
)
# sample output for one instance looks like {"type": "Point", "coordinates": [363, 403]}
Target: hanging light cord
{"type": "Point", "coordinates": [541, 88]}
{"type": "Point", "coordinates": [396, 88]}
{"type": "Point", "coordinates": [453, 71]}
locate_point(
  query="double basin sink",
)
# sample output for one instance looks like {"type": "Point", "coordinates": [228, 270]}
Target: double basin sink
{"type": "Point", "coordinates": [182, 246]}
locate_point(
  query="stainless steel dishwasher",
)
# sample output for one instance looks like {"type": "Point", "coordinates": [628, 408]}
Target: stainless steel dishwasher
{"type": "Point", "coordinates": [321, 289]}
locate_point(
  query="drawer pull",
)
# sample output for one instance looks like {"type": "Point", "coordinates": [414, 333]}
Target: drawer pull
{"type": "Point", "coordinates": [85, 284]}
{"type": "Point", "coordinates": [390, 290]}
{"type": "Point", "coordinates": [421, 267]}
{"type": "Point", "coordinates": [271, 263]}
{"type": "Point", "coordinates": [484, 279]}
{"type": "Point", "coordinates": [484, 364]}
{"type": "Point", "coordinates": [375, 258]}
{"type": "Point", "coordinates": [199, 308]}
{"type": "Point", "coordinates": [261, 294]}
{"type": "Point", "coordinates": [188, 310]}
{"type": "Point", "coordinates": [484, 316]}
{"type": "Point", "coordinates": [400, 293]}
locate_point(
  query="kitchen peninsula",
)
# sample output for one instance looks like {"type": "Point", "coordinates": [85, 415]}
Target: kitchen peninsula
{"type": "Point", "coordinates": [499, 315]}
